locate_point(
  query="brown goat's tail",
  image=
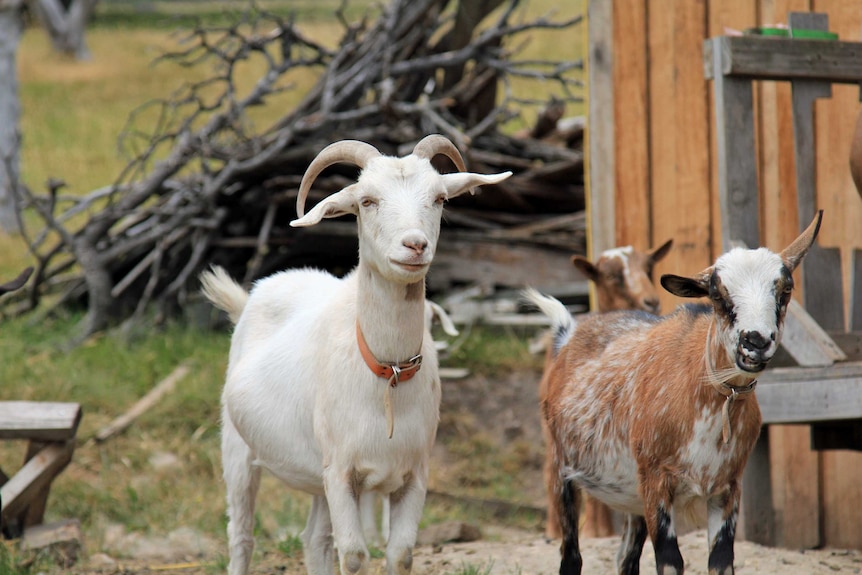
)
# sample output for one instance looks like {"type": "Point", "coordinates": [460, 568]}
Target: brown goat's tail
{"type": "Point", "coordinates": [562, 323]}
{"type": "Point", "coordinates": [224, 292]}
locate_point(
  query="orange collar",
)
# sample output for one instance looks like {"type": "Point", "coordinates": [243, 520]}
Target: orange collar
{"type": "Point", "coordinates": [394, 373]}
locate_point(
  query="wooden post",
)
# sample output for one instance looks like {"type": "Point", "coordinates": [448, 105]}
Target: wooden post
{"type": "Point", "coordinates": [737, 182]}
{"type": "Point", "coordinates": [821, 271]}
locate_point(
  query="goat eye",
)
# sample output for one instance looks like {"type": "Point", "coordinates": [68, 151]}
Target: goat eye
{"type": "Point", "coordinates": [367, 202]}
{"type": "Point", "coordinates": [441, 199]}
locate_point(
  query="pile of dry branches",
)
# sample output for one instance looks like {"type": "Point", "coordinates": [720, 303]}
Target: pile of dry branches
{"type": "Point", "coordinates": [205, 187]}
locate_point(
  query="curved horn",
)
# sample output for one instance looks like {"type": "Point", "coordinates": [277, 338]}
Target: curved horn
{"type": "Point", "coordinates": [793, 254]}
{"type": "Point", "coordinates": [430, 146]}
{"type": "Point", "coordinates": [345, 151]}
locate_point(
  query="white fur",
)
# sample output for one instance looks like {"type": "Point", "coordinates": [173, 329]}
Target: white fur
{"type": "Point", "coordinates": [300, 402]}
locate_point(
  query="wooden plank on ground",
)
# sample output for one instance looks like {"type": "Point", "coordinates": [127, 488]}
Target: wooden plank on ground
{"type": "Point", "coordinates": [41, 420]}
{"type": "Point", "coordinates": [38, 472]}
{"type": "Point", "coordinates": [63, 541]}
{"type": "Point", "coordinates": [140, 407]}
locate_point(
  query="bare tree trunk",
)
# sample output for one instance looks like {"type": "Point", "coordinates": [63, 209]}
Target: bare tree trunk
{"type": "Point", "coordinates": [10, 112]}
{"type": "Point", "coordinates": [66, 27]}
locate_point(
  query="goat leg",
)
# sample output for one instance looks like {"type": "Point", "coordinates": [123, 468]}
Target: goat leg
{"type": "Point", "coordinates": [658, 489]}
{"type": "Point", "coordinates": [405, 511]}
{"type": "Point", "coordinates": [343, 498]}
{"type": "Point", "coordinates": [568, 510]}
{"type": "Point", "coordinates": [317, 539]}
{"type": "Point", "coordinates": [242, 480]}
{"type": "Point", "coordinates": [634, 536]}
{"type": "Point", "coordinates": [722, 512]}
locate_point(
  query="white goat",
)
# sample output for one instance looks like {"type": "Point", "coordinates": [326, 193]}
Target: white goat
{"type": "Point", "coordinates": [649, 413]}
{"type": "Point", "coordinates": [302, 400]}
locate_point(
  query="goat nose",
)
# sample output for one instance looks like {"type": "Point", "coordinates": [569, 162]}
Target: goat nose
{"type": "Point", "coordinates": [754, 341]}
{"type": "Point", "coordinates": [416, 244]}
{"type": "Point", "coordinates": [652, 304]}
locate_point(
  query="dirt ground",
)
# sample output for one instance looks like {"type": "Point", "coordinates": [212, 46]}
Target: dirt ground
{"type": "Point", "coordinates": [503, 412]}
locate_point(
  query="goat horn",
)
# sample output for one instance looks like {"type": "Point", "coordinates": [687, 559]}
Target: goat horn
{"type": "Point", "coordinates": [345, 151]}
{"type": "Point", "coordinates": [430, 146]}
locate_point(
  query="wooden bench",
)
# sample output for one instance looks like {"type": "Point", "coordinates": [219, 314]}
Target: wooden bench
{"type": "Point", "coordinates": [825, 391]}
{"type": "Point", "coordinates": [50, 430]}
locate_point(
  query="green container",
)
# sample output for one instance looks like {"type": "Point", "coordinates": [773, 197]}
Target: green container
{"type": "Point", "coordinates": [794, 33]}
{"type": "Point", "coordinates": [812, 34]}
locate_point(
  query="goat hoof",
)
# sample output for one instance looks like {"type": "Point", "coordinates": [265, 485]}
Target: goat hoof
{"type": "Point", "coordinates": [353, 562]}
{"type": "Point", "coordinates": [405, 562]}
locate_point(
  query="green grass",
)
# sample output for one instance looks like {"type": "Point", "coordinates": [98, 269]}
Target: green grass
{"type": "Point", "coordinates": [472, 569]}
{"type": "Point", "coordinates": [494, 351]}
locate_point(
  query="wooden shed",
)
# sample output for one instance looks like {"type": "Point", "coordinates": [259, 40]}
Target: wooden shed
{"type": "Point", "coordinates": [655, 172]}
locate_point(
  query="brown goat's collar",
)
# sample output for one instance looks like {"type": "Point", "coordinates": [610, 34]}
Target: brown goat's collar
{"type": "Point", "coordinates": [393, 372]}
{"type": "Point", "coordinates": [731, 393]}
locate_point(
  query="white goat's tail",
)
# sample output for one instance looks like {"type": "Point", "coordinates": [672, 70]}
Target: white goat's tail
{"type": "Point", "coordinates": [562, 322]}
{"type": "Point", "coordinates": [224, 292]}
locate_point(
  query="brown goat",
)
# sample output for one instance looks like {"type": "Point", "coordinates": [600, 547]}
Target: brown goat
{"type": "Point", "coordinates": [623, 280]}
{"type": "Point", "coordinates": [652, 414]}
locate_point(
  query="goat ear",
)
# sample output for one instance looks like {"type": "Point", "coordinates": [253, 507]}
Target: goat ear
{"type": "Point", "coordinates": [658, 254]}
{"type": "Point", "coordinates": [338, 204]}
{"type": "Point", "coordinates": [687, 287]}
{"type": "Point", "coordinates": [793, 254]}
{"type": "Point", "coordinates": [460, 182]}
{"type": "Point", "coordinates": [586, 267]}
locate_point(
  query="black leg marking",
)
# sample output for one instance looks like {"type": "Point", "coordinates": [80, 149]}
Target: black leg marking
{"type": "Point", "coordinates": [569, 511]}
{"type": "Point", "coordinates": [634, 536]}
{"type": "Point", "coordinates": [721, 554]}
{"type": "Point", "coordinates": [668, 559]}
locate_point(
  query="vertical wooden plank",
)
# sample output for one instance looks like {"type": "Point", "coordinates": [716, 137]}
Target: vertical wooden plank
{"type": "Point", "coordinates": [821, 272]}
{"type": "Point", "coordinates": [842, 495]}
{"type": "Point", "coordinates": [841, 490]}
{"type": "Point", "coordinates": [795, 467]}
{"type": "Point", "coordinates": [856, 292]}
{"type": "Point", "coordinates": [600, 133]}
{"type": "Point", "coordinates": [835, 117]}
{"type": "Point", "coordinates": [756, 516]}
{"type": "Point", "coordinates": [736, 165]}
{"type": "Point", "coordinates": [724, 15]}
{"type": "Point", "coordinates": [679, 136]}
{"type": "Point", "coordinates": [796, 487]}
{"type": "Point", "coordinates": [780, 224]}
{"type": "Point", "coordinates": [631, 125]}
